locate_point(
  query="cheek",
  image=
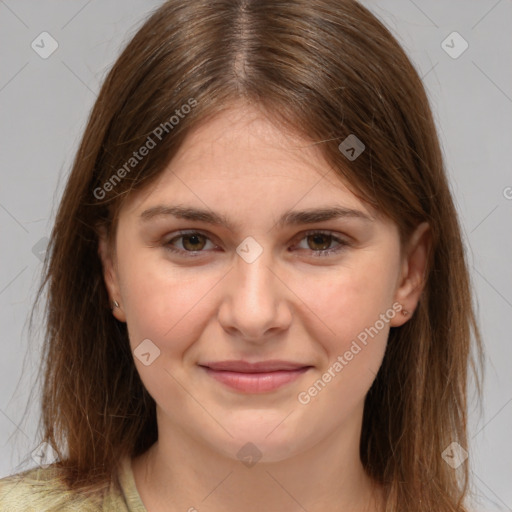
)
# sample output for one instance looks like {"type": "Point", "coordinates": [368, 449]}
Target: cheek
{"type": "Point", "coordinates": [351, 298]}
{"type": "Point", "coordinates": [164, 304]}
{"type": "Point", "coordinates": [171, 309]}
{"type": "Point", "coordinates": [355, 309]}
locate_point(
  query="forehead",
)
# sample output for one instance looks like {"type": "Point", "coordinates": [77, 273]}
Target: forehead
{"type": "Point", "coordinates": [241, 159]}
{"type": "Point", "coordinates": [243, 143]}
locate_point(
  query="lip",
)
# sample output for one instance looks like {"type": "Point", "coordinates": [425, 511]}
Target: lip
{"type": "Point", "coordinates": [241, 366]}
{"type": "Point", "coordinates": [260, 377]}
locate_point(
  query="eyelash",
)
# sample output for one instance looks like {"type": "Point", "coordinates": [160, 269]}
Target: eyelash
{"type": "Point", "coordinates": [342, 244]}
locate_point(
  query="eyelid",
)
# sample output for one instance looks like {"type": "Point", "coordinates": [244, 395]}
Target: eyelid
{"type": "Point", "coordinates": [335, 235]}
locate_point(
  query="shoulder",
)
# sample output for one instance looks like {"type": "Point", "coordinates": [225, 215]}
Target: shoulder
{"type": "Point", "coordinates": [42, 490]}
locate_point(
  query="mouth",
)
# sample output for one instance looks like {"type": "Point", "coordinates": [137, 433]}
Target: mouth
{"type": "Point", "coordinates": [261, 377]}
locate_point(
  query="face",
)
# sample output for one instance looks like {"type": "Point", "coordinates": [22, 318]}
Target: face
{"type": "Point", "coordinates": [250, 248]}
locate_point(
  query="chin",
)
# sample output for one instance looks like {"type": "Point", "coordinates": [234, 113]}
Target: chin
{"type": "Point", "coordinates": [266, 441]}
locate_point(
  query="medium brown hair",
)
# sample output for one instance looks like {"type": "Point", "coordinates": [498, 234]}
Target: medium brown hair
{"type": "Point", "coordinates": [322, 69]}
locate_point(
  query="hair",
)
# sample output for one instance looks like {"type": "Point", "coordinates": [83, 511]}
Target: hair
{"type": "Point", "coordinates": [322, 70]}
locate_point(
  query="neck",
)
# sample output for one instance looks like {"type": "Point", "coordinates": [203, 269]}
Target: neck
{"type": "Point", "coordinates": [181, 473]}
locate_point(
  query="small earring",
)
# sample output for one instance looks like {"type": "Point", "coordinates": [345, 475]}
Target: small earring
{"type": "Point", "coordinates": [404, 312]}
{"type": "Point", "coordinates": [115, 304]}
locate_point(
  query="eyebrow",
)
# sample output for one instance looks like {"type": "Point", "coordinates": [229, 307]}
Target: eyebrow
{"type": "Point", "coordinates": [297, 217]}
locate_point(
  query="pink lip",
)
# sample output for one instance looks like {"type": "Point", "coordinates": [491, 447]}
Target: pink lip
{"type": "Point", "coordinates": [255, 377]}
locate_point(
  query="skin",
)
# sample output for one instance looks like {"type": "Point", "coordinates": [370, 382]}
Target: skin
{"type": "Point", "coordinates": [290, 303]}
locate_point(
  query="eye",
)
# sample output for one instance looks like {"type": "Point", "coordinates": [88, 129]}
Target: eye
{"type": "Point", "coordinates": [191, 241]}
{"type": "Point", "coordinates": [320, 243]}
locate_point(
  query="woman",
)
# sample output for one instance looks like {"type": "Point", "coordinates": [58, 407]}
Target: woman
{"type": "Point", "coordinates": [257, 291]}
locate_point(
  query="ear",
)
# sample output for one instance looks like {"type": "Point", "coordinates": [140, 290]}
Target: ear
{"type": "Point", "coordinates": [412, 276]}
{"type": "Point", "coordinates": [110, 275]}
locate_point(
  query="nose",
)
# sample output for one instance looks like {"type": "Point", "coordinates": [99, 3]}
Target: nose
{"type": "Point", "coordinates": [255, 303]}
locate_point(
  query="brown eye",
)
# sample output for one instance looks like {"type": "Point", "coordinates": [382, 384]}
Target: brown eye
{"type": "Point", "coordinates": [191, 242]}
{"type": "Point", "coordinates": [194, 242]}
{"type": "Point", "coordinates": [319, 241]}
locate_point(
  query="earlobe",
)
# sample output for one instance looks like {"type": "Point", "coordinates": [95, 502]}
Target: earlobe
{"type": "Point", "coordinates": [413, 273]}
{"type": "Point", "coordinates": [110, 275]}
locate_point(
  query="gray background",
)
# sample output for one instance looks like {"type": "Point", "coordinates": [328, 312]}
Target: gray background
{"type": "Point", "coordinates": [44, 104]}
